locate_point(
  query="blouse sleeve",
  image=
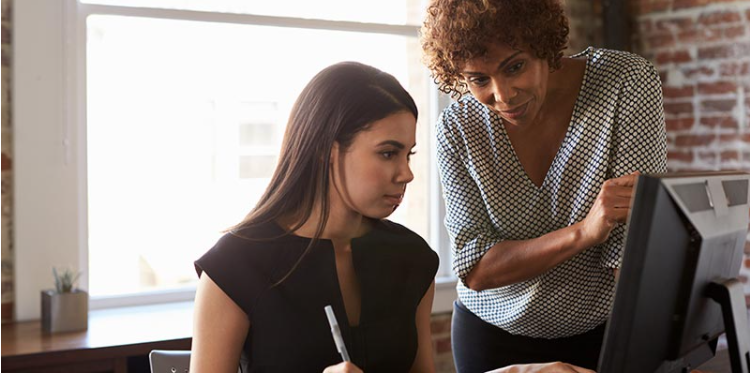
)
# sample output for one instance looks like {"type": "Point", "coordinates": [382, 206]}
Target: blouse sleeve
{"type": "Point", "coordinates": [236, 267]}
{"type": "Point", "coordinates": [469, 226]}
{"type": "Point", "coordinates": [639, 141]}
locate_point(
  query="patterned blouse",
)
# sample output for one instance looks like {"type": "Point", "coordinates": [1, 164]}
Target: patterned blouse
{"type": "Point", "coordinates": [617, 127]}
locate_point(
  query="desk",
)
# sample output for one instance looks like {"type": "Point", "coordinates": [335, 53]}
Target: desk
{"type": "Point", "coordinates": [117, 340]}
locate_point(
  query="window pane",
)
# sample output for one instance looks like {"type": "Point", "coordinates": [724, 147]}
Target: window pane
{"type": "Point", "coordinates": [396, 12]}
{"type": "Point", "coordinates": [184, 123]}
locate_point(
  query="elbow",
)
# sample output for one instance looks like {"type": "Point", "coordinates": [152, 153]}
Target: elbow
{"type": "Point", "coordinates": [475, 282]}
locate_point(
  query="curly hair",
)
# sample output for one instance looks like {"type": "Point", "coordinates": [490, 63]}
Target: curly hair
{"type": "Point", "coordinates": [455, 31]}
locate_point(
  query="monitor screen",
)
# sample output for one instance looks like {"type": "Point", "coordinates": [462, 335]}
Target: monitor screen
{"type": "Point", "coordinates": [685, 231]}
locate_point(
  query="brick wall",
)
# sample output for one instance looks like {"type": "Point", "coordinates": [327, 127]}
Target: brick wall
{"type": "Point", "coordinates": [7, 172]}
{"type": "Point", "coordinates": [702, 51]}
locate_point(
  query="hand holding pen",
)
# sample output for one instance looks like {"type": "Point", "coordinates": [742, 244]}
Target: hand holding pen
{"type": "Point", "coordinates": [346, 366]}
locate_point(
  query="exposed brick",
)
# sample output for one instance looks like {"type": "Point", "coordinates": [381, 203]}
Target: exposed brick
{"type": "Point", "coordinates": [679, 124]}
{"type": "Point", "coordinates": [678, 92]}
{"type": "Point", "coordinates": [719, 17]}
{"type": "Point", "coordinates": [730, 138]}
{"type": "Point", "coordinates": [730, 155]}
{"type": "Point", "coordinates": [747, 260]}
{"type": "Point", "coordinates": [443, 345]}
{"type": "Point", "coordinates": [682, 156]}
{"type": "Point", "coordinates": [699, 36]}
{"type": "Point", "coordinates": [714, 52]}
{"type": "Point", "coordinates": [6, 162]}
{"type": "Point", "coordinates": [714, 88]}
{"type": "Point", "coordinates": [681, 4]}
{"type": "Point", "coordinates": [718, 105]}
{"type": "Point", "coordinates": [664, 77]}
{"type": "Point", "coordinates": [734, 69]}
{"type": "Point", "coordinates": [707, 157]}
{"type": "Point", "coordinates": [645, 26]}
{"type": "Point", "coordinates": [674, 24]}
{"type": "Point", "coordinates": [6, 33]}
{"type": "Point", "coordinates": [719, 122]}
{"type": "Point", "coordinates": [678, 108]}
{"type": "Point", "coordinates": [661, 40]}
{"type": "Point", "coordinates": [734, 32]}
{"type": "Point", "coordinates": [440, 325]}
{"type": "Point", "coordinates": [664, 58]}
{"type": "Point", "coordinates": [694, 140]}
{"type": "Point", "coordinates": [698, 72]}
{"type": "Point", "coordinates": [652, 6]}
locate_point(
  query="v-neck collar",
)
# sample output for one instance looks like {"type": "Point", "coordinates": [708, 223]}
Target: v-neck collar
{"type": "Point", "coordinates": [577, 107]}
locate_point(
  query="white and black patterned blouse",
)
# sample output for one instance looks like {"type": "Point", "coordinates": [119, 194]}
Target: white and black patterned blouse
{"type": "Point", "coordinates": [617, 128]}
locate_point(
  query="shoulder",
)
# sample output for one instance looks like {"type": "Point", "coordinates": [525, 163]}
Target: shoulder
{"type": "Point", "coordinates": [619, 66]}
{"type": "Point", "coordinates": [249, 245]}
{"type": "Point", "coordinates": [466, 109]}
{"type": "Point", "coordinates": [405, 241]}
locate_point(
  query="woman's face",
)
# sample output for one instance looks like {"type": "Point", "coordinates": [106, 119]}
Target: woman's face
{"type": "Point", "coordinates": [509, 82]}
{"type": "Point", "coordinates": [370, 177]}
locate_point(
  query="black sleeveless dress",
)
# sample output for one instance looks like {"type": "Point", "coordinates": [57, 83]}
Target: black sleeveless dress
{"type": "Point", "coordinates": [289, 330]}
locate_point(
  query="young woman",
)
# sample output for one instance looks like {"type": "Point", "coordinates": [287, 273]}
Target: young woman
{"type": "Point", "coordinates": [318, 237]}
{"type": "Point", "coordinates": [538, 159]}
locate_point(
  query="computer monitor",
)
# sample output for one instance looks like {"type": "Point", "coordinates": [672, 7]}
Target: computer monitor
{"type": "Point", "coordinates": [677, 290]}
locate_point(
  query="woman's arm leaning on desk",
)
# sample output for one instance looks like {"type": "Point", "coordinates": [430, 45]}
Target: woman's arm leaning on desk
{"type": "Point", "coordinates": [219, 330]}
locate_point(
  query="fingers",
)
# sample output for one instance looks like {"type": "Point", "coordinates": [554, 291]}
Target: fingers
{"type": "Point", "coordinates": [628, 180]}
{"type": "Point", "coordinates": [345, 367]}
{"type": "Point", "coordinates": [582, 370]}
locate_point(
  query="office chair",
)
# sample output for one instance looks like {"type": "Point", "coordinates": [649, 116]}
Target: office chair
{"type": "Point", "coordinates": [175, 361]}
{"type": "Point", "coordinates": [164, 361]}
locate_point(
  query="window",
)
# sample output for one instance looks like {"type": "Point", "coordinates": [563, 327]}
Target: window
{"type": "Point", "coordinates": [165, 119]}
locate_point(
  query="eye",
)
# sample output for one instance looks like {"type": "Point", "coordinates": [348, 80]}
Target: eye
{"type": "Point", "coordinates": [408, 156]}
{"type": "Point", "coordinates": [516, 67]}
{"type": "Point", "coordinates": [388, 154]}
{"type": "Point", "coordinates": [478, 81]}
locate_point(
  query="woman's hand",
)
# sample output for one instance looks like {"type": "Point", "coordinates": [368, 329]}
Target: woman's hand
{"type": "Point", "coordinates": [345, 367]}
{"type": "Point", "coordinates": [556, 367]}
{"type": "Point", "coordinates": [611, 206]}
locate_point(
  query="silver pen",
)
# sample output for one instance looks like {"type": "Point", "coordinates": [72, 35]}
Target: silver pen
{"type": "Point", "coordinates": [336, 332]}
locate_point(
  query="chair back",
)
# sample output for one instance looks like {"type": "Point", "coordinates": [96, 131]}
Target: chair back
{"type": "Point", "coordinates": [165, 361]}
{"type": "Point", "coordinates": [172, 361]}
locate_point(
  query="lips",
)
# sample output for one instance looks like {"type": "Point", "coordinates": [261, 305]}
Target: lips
{"type": "Point", "coordinates": [394, 199]}
{"type": "Point", "coordinates": [515, 112]}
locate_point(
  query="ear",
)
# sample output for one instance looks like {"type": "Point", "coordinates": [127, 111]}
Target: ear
{"type": "Point", "coordinates": [334, 152]}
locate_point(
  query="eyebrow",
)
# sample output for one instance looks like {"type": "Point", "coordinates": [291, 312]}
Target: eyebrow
{"type": "Point", "coordinates": [395, 143]}
{"type": "Point", "coordinates": [499, 67]}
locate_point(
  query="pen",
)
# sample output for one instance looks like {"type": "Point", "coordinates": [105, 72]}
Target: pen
{"type": "Point", "coordinates": [336, 332]}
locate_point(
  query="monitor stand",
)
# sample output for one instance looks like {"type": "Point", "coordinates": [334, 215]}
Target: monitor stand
{"type": "Point", "coordinates": [730, 295]}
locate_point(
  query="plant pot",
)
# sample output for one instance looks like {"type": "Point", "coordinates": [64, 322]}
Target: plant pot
{"type": "Point", "coordinates": [65, 312]}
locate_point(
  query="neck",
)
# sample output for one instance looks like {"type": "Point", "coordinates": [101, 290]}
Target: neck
{"type": "Point", "coordinates": [342, 225]}
{"type": "Point", "coordinates": [562, 86]}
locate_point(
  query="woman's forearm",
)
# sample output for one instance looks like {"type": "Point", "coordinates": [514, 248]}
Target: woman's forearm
{"type": "Point", "coordinates": [510, 262]}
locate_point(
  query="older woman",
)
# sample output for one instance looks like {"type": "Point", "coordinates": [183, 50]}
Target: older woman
{"type": "Point", "coordinates": [537, 158]}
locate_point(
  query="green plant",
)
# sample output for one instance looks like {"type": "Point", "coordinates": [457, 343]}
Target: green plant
{"type": "Point", "coordinates": [65, 279]}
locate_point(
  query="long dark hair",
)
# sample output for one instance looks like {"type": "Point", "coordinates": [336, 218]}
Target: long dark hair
{"type": "Point", "coordinates": [339, 102]}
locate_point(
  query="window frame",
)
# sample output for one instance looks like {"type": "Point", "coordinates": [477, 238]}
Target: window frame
{"type": "Point", "coordinates": [49, 145]}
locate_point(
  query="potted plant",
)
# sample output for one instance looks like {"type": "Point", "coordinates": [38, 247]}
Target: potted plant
{"type": "Point", "coordinates": [66, 308]}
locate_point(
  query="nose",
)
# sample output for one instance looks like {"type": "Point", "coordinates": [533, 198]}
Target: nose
{"type": "Point", "coordinates": [503, 92]}
{"type": "Point", "coordinates": [404, 176]}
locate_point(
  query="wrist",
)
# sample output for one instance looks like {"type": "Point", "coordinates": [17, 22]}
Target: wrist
{"type": "Point", "coordinates": [581, 239]}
